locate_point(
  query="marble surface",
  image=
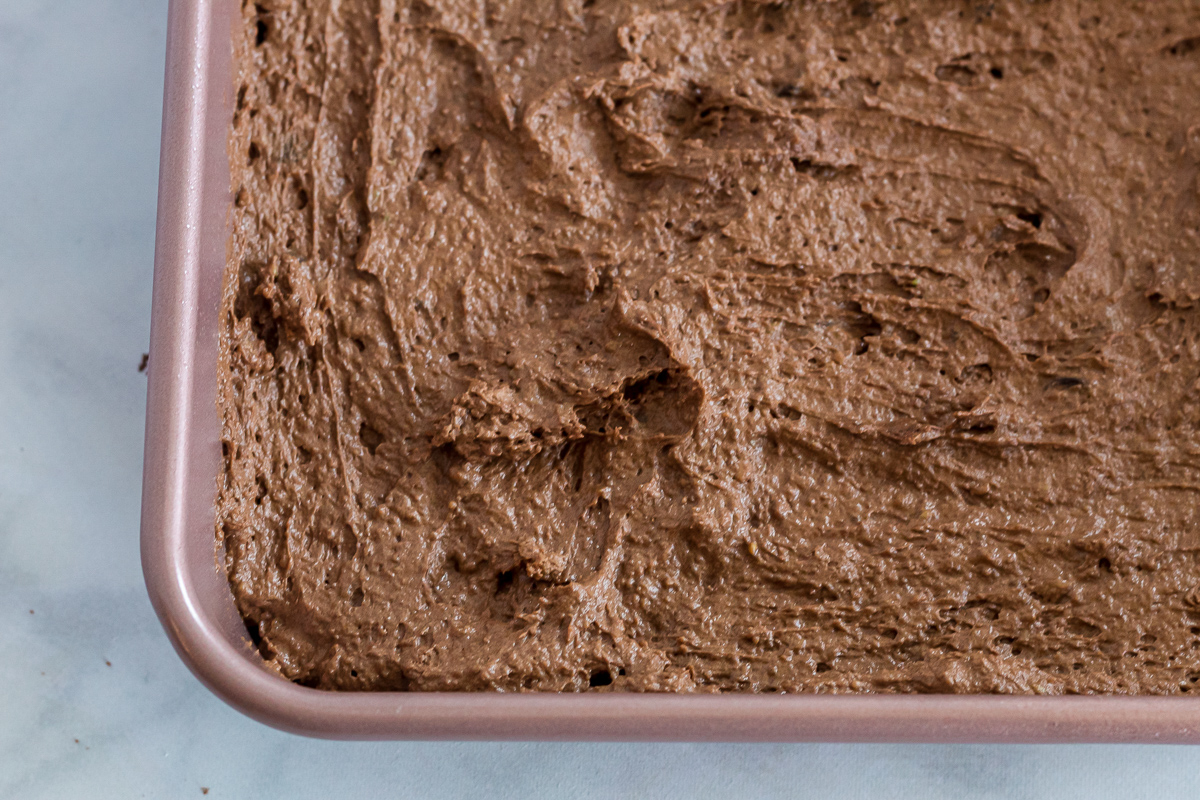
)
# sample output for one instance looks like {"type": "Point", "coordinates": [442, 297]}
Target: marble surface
{"type": "Point", "coordinates": [94, 703]}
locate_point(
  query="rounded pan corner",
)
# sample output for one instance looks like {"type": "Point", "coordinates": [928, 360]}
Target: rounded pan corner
{"type": "Point", "coordinates": [235, 677]}
{"type": "Point", "coordinates": [192, 598]}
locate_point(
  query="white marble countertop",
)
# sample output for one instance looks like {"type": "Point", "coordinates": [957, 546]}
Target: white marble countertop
{"type": "Point", "coordinates": [94, 703]}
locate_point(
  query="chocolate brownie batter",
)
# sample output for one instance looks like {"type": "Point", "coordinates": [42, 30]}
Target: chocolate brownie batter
{"type": "Point", "coordinates": [702, 346]}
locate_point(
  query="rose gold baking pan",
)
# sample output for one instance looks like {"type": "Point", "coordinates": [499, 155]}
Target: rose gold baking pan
{"type": "Point", "coordinates": [196, 607]}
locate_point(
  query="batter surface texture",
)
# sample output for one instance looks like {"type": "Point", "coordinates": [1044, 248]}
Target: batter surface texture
{"type": "Point", "coordinates": [799, 346]}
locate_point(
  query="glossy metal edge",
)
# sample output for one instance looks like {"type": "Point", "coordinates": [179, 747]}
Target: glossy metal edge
{"type": "Point", "coordinates": [191, 598]}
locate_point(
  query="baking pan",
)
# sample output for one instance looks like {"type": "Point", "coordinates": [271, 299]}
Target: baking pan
{"type": "Point", "coordinates": [195, 605]}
